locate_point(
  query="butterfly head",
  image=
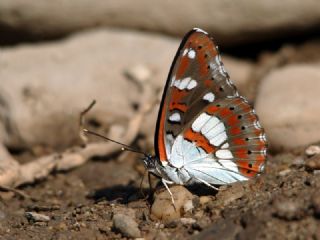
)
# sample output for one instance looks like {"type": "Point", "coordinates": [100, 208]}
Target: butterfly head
{"type": "Point", "coordinates": [151, 164]}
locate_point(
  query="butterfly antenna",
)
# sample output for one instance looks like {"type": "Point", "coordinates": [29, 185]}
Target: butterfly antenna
{"type": "Point", "coordinates": [125, 147]}
{"type": "Point", "coordinates": [86, 131]}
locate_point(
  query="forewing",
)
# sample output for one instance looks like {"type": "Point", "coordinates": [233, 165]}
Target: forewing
{"type": "Point", "coordinates": [196, 79]}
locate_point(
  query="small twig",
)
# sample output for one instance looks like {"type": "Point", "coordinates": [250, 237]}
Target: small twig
{"type": "Point", "coordinates": [16, 191]}
{"type": "Point", "coordinates": [82, 121]}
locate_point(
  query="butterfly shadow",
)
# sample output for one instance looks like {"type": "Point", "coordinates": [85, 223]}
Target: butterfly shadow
{"type": "Point", "coordinates": [122, 194]}
{"type": "Point", "coordinates": [201, 190]}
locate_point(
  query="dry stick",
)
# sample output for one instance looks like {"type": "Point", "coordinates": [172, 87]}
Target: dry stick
{"type": "Point", "coordinates": [16, 191]}
{"type": "Point", "coordinates": [82, 121]}
{"type": "Point", "coordinates": [40, 168]}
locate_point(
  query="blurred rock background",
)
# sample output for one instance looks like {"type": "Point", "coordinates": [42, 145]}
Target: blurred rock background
{"type": "Point", "coordinates": [56, 56]}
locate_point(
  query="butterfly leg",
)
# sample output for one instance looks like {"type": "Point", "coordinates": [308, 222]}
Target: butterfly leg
{"type": "Point", "coordinates": [165, 183]}
{"type": "Point", "coordinates": [207, 184]}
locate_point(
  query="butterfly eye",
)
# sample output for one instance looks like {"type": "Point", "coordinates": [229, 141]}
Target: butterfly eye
{"type": "Point", "coordinates": [249, 152]}
{"type": "Point", "coordinates": [250, 165]}
{"type": "Point", "coordinates": [239, 116]}
{"type": "Point", "coordinates": [247, 139]}
{"type": "Point", "coordinates": [221, 89]}
{"type": "Point", "coordinates": [243, 128]}
{"type": "Point", "coordinates": [231, 108]}
{"type": "Point", "coordinates": [218, 105]}
{"type": "Point", "coordinates": [208, 66]}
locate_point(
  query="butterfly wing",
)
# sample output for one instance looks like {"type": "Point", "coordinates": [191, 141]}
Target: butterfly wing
{"type": "Point", "coordinates": [196, 73]}
{"type": "Point", "coordinates": [197, 81]}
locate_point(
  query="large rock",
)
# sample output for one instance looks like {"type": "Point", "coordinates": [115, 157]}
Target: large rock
{"type": "Point", "coordinates": [289, 107]}
{"type": "Point", "coordinates": [44, 87]}
{"type": "Point", "coordinates": [231, 22]}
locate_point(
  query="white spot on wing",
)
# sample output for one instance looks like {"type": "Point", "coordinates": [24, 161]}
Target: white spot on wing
{"type": "Point", "coordinates": [175, 117]}
{"type": "Point", "coordinates": [224, 146]}
{"type": "Point", "coordinates": [224, 154]}
{"type": "Point", "coordinates": [210, 124]}
{"type": "Point", "coordinates": [184, 83]}
{"type": "Point", "coordinates": [192, 84]}
{"type": "Point", "coordinates": [169, 142]}
{"type": "Point", "coordinates": [173, 79]}
{"type": "Point", "coordinates": [215, 131]}
{"type": "Point", "coordinates": [257, 124]}
{"type": "Point", "coordinates": [184, 52]}
{"type": "Point", "coordinates": [209, 97]}
{"type": "Point", "coordinates": [200, 121]}
{"type": "Point", "coordinates": [216, 141]}
{"type": "Point", "coordinates": [176, 83]}
{"type": "Point", "coordinates": [191, 54]}
{"type": "Point", "coordinates": [200, 30]}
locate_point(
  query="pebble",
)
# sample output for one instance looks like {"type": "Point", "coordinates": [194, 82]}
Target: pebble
{"type": "Point", "coordinates": [187, 221]}
{"type": "Point", "coordinates": [313, 163]}
{"type": "Point", "coordinates": [225, 197]}
{"type": "Point", "coordinates": [162, 207]}
{"type": "Point", "coordinates": [288, 210]}
{"type": "Point", "coordinates": [205, 199]}
{"type": "Point", "coordinates": [298, 161]}
{"type": "Point", "coordinates": [312, 150]}
{"type": "Point", "coordinates": [126, 225]}
{"type": "Point", "coordinates": [37, 217]}
{"type": "Point", "coordinates": [188, 206]}
{"type": "Point", "coordinates": [284, 172]}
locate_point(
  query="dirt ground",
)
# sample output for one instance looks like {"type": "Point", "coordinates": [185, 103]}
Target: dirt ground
{"type": "Point", "coordinates": [283, 203]}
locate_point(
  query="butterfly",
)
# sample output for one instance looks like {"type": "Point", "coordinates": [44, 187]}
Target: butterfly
{"type": "Point", "coordinates": [206, 132]}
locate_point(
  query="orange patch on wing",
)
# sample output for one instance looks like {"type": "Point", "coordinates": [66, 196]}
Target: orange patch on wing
{"type": "Point", "coordinates": [247, 173]}
{"type": "Point", "coordinates": [235, 130]}
{"type": "Point", "coordinates": [239, 141]}
{"type": "Point", "coordinates": [225, 112]}
{"type": "Point", "coordinates": [183, 66]}
{"type": "Point", "coordinates": [176, 99]}
{"type": "Point", "coordinates": [249, 169]}
{"type": "Point", "coordinates": [200, 140]}
{"type": "Point", "coordinates": [161, 144]}
{"type": "Point", "coordinates": [207, 82]}
{"type": "Point", "coordinates": [233, 120]}
{"type": "Point", "coordinates": [241, 153]}
{"type": "Point", "coordinates": [212, 109]}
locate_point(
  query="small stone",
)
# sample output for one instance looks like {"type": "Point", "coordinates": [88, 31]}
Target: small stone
{"type": "Point", "coordinates": [313, 163]}
{"type": "Point", "coordinates": [230, 194]}
{"type": "Point", "coordinates": [126, 225]}
{"type": "Point", "coordinates": [37, 217]}
{"type": "Point", "coordinates": [205, 199]}
{"type": "Point", "coordinates": [163, 209]}
{"type": "Point", "coordinates": [187, 221]}
{"type": "Point", "coordinates": [312, 150]}
{"type": "Point", "coordinates": [298, 161]}
{"type": "Point", "coordinates": [284, 172]}
{"type": "Point", "coordinates": [171, 224]}
{"type": "Point", "coordinates": [188, 206]}
{"type": "Point", "coordinates": [288, 210]}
